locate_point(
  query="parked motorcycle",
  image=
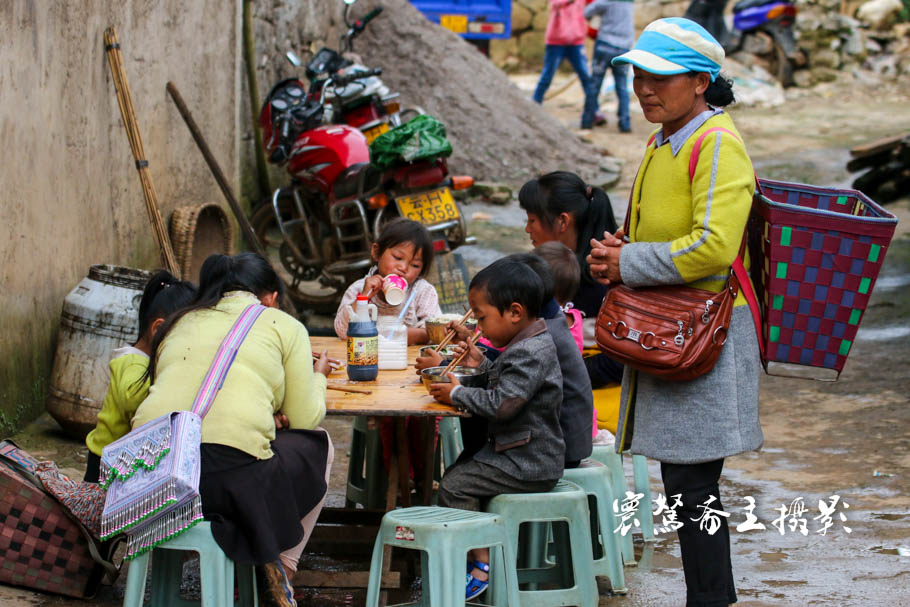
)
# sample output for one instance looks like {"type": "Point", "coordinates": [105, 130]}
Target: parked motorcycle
{"type": "Point", "coordinates": [365, 103]}
{"type": "Point", "coordinates": [763, 28]}
{"type": "Point", "coordinates": [319, 229]}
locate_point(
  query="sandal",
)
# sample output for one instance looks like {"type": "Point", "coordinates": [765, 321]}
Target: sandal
{"type": "Point", "coordinates": [474, 586]}
{"type": "Point", "coordinates": [279, 585]}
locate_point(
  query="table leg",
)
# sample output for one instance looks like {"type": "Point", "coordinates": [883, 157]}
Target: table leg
{"type": "Point", "coordinates": [404, 462]}
{"type": "Point", "coordinates": [391, 500]}
{"type": "Point", "coordinates": [428, 436]}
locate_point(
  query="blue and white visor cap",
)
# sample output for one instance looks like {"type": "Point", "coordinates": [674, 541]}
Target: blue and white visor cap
{"type": "Point", "coordinates": [675, 46]}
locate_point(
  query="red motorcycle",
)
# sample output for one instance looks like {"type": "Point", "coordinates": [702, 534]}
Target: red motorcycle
{"type": "Point", "coordinates": [320, 227]}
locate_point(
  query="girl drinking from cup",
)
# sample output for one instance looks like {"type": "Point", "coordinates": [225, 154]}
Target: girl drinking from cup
{"type": "Point", "coordinates": [402, 255]}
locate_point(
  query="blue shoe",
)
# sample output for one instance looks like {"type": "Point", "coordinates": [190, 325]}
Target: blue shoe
{"type": "Point", "coordinates": [475, 587]}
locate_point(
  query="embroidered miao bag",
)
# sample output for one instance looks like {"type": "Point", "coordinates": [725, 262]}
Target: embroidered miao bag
{"type": "Point", "coordinates": [152, 474]}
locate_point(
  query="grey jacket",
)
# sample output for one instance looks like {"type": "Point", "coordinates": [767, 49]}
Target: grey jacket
{"type": "Point", "coordinates": [577, 412]}
{"type": "Point", "coordinates": [521, 403]}
{"type": "Point", "coordinates": [689, 422]}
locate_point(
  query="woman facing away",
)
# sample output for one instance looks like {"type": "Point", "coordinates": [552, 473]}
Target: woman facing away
{"type": "Point", "coordinates": [264, 461]}
{"type": "Point", "coordinates": [687, 229]}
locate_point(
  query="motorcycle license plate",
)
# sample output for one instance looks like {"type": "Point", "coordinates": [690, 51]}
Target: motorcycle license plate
{"type": "Point", "coordinates": [454, 23]}
{"type": "Point", "coordinates": [376, 131]}
{"type": "Point", "coordinates": [428, 208]}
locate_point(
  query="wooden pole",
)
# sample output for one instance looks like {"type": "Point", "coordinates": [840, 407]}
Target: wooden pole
{"type": "Point", "coordinates": [131, 124]}
{"type": "Point", "coordinates": [245, 226]}
{"type": "Point", "coordinates": [249, 56]}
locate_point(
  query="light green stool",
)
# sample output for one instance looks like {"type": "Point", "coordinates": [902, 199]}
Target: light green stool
{"type": "Point", "coordinates": [607, 455]}
{"type": "Point", "coordinates": [444, 536]}
{"type": "Point", "coordinates": [367, 478]}
{"type": "Point", "coordinates": [215, 568]}
{"type": "Point", "coordinates": [450, 441]}
{"type": "Point", "coordinates": [594, 479]}
{"type": "Point", "coordinates": [566, 503]}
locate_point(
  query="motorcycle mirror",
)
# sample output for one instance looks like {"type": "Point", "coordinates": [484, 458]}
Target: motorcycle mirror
{"type": "Point", "coordinates": [293, 58]}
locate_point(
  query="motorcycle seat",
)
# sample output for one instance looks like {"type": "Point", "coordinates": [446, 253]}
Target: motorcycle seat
{"type": "Point", "coordinates": [744, 4]}
{"type": "Point", "coordinates": [356, 180]}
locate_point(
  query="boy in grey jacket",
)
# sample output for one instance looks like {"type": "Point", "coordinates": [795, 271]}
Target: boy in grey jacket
{"type": "Point", "coordinates": [525, 450]}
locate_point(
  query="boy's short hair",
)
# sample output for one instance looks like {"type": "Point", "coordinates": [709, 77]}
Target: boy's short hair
{"type": "Point", "coordinates": [506, 282]}
{"type": "Point", "coordinates": [564, 268]}
{"type": "Point", "coordinates": [540, 266]}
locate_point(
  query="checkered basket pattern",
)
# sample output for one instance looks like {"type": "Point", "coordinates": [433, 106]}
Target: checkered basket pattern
{"type": "Point", "coordinates": [41, 546]}
{"type": "Point", "coordinates": [821, 250]}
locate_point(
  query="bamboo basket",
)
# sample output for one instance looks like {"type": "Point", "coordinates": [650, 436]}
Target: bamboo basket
{"type": "Point", "coordinates": [198, 231]}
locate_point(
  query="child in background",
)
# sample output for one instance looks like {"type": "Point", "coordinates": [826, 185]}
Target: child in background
{"type": "Point", "coordinates": [404, 248]}
{"type": "Point", "coordinates": [163, 295]}
{"type": "Point", "coordinates": [525, 450]}
{"type": "Point", "coordinates": [566, 273]}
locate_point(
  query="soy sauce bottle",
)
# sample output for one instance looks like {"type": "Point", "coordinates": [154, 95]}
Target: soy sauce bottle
{"type": "Point", "coordinates": [363, 341]}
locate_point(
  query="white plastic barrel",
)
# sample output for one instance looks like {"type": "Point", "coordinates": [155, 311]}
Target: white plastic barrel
{"type": "Point", "coordinates": [99, 315]}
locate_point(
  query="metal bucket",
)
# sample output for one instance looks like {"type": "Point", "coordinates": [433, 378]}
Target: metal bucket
{"type": "Point", "coordinates": [99, 315]}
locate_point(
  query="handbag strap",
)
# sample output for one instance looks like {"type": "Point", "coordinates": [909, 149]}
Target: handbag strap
{"type": "Point", "coordinates": [214, 379]}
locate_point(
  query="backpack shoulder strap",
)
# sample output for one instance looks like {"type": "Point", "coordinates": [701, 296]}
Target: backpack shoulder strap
{"type": "Point", "coordinates": [739, 270]}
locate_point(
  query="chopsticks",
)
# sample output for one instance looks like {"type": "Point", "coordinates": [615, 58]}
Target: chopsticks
{"type": "Point", "coordinates": [451, 333]}
{"type": "Point", "coordinates": [457, 360]}
{"type": "Point", "coordinates": [351, 389]}
{"type": "Point", "coordinates": [334, 363]}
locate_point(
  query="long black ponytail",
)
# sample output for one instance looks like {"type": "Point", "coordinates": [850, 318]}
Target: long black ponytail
{"type": "Point", "coordinates": [559, 192]}
{"type": "Point", "coordinates": [219, 275]}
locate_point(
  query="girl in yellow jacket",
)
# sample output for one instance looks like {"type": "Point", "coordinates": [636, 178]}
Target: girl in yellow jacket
{"type": "Point", "coordinates": [163, 295]}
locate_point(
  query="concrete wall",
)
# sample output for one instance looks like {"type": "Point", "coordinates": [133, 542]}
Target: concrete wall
{"type": "Point", "coordinates": [70, 193]}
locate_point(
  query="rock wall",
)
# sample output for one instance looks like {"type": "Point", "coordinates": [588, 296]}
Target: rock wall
{"type": "Point", "coordinates": [71, 195]}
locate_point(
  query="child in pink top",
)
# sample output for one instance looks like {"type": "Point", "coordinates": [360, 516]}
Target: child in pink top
{"type": "Point", "coordinates": [565, 38]}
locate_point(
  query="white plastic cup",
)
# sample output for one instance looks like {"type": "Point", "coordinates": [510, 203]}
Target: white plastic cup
{"type": "Point", "coordinates": [394, 288]}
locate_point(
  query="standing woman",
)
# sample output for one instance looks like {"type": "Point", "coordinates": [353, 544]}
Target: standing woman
{"type": "Point", "coordinates": [261, 489]}
{"type": "Point", "coordinates": [561, 207]}
{"type": "Point", "coordinates": [688, 231]}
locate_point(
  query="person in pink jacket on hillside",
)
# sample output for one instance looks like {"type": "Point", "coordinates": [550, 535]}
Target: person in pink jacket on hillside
{"type": "Point", "coordinates": [565, 38]}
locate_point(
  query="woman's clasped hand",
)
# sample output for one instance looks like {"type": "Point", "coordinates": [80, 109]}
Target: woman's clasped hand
{"type": "Point", "coordinates": [604, 258]}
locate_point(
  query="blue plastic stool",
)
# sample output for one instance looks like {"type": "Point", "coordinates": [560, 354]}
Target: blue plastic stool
{"type": "Point", "coordinates": [566, 503]}
{"type": "Point", "coordinates": [215, 568]}
{"type": "Point", "coordinates": [607, 455]}
{"type": "Point", "coordinates": [444, 536]}
{"type": "Point", "coordinates": [367, 478]}
{"type": "Point", "coordinates": [594, 479]}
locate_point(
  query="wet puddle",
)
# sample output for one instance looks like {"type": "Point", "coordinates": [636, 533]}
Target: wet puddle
{"type": "Point", "coordinates": [883, 334]}
{"type": "Point", "coordinates": [892, 282]}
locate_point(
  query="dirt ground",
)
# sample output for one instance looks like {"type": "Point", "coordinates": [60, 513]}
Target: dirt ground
{"type": "Point", "coordinates": [847, 438]}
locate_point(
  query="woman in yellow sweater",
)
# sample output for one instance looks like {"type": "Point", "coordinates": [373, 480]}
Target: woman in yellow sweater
{"type": "Point", "coordinates": [688, 212]}
{"type": "Point", "coordinates": [261, 489]}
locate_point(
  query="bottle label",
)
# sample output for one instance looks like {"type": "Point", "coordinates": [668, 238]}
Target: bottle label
{"type": "Point", "coordinates": [363, 350]}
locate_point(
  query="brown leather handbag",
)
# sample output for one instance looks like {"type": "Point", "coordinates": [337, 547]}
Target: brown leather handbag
{"type": "Point", "coordinates": [673, 332]}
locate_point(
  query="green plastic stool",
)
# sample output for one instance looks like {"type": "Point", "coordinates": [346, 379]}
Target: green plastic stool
{"type": "Point", "coordinates": [594, 479]}
{"type": "Point", "coordinates": [444, 536]}
{"type": "Point", "coordinates": [566, 503]}
{"type": "Point", "coordinates": [367, 478]}
{"type": "Point", "coordinates": [215, 568]}
{"type": "Point", "coordinates": [607, 455]}
{"type": "Point", "coordinates": [450, 441]}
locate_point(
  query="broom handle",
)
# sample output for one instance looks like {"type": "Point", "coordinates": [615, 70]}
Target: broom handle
{"type": "Point", "coordinates": [217, 173]}
{"type": "Point", "coordinates": [131, 124]}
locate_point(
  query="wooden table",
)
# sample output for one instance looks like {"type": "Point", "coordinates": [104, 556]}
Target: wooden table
{"type": "Point", "coordinates": [394, 393]}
